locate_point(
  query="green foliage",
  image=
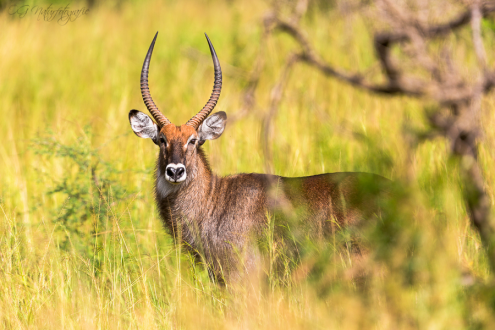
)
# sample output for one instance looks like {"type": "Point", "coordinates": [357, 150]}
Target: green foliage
{"type": "Point", "coordinates": [488, 24]}
{"type": "Point", "coordinates": [87, 189]}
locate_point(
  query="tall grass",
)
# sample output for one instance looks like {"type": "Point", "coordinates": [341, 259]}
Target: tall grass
{"type": "Point", "coordinates": [81, 244]}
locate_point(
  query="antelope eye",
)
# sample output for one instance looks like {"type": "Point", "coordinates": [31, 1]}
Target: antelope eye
{"type": "Point", "coordinates": [193, 141]}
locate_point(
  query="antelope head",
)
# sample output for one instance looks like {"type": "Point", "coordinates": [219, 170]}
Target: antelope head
{"type": "Point", "coordinates": [178, 144]}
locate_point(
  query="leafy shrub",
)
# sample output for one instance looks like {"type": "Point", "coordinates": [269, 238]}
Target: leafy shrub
{"type": "Point", "coordinates": [86, 193]}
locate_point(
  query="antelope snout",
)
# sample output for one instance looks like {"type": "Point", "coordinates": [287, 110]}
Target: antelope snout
{"type": "Point", "coordinates": [175, 173]}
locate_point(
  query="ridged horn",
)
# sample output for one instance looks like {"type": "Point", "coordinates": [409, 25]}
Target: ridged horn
{"type": "Point", "coordinates": [215, 94]}
{"type": "Point", "coordinates": [145, 91]}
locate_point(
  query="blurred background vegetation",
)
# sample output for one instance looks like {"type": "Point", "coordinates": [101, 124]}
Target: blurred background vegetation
{"type": "Point", "coordinates": [81, 244]}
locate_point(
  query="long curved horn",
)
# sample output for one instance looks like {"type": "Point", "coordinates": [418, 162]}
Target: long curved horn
{"type": "Point", "coordinates": [215, 94]}
{"type": "Point", "coordinates": [145, 91]}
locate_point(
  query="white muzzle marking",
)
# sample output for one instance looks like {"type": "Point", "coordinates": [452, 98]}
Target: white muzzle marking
{"type": "Point", "coordinates": [175, 173]}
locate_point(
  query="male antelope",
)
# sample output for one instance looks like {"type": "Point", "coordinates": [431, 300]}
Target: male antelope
{"type": "Point", "coordinates": [217, 216]}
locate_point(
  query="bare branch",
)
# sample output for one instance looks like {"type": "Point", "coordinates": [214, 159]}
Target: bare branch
{"type": "Point", "coordinates": [458, 100]}
{"type": "Point", "coordinates": [275, 98]}
{"type": "Point", "coordinates": [487, 8]}
{"type": "Point", "coordinates": [477, 41]}
{"type": "Point", "coordinates": [248, 98]}
{"type": "Point", "coordinates": [406, 86]}
{"type": "Point", "coordinates": [299, 10]}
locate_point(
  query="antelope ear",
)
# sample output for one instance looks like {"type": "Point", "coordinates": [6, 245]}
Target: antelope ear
{"type": "Point", "coordinates": [143, 126]}
{"type": "Point", "coordinates": [212, 127]}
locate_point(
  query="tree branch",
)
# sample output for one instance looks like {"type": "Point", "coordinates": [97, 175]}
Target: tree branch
{"type": "Point", "coordinates": [459, 100]}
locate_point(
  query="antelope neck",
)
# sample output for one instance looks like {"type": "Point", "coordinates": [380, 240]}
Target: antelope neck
{"type": "Point", "coordinates": [198, 184]}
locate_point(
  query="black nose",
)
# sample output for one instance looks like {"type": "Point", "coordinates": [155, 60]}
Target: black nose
{"type": "Point", "coordinates": [175, 173]}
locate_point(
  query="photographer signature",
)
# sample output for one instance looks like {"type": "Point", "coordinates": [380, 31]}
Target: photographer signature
{"type": "Point", "coordinates": [47, 13]}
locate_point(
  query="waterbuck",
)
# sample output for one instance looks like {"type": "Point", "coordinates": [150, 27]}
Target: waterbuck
{"type": "Point", "coordinates": [218, 217]}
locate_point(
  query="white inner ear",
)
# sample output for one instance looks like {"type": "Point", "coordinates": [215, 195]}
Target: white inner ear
{"type": "Point", "coordinates": [213, 126]}
{"type": "Point", "coordinates": [140, 122]}
{"type": "Point", "coordinates": [143, 126]}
